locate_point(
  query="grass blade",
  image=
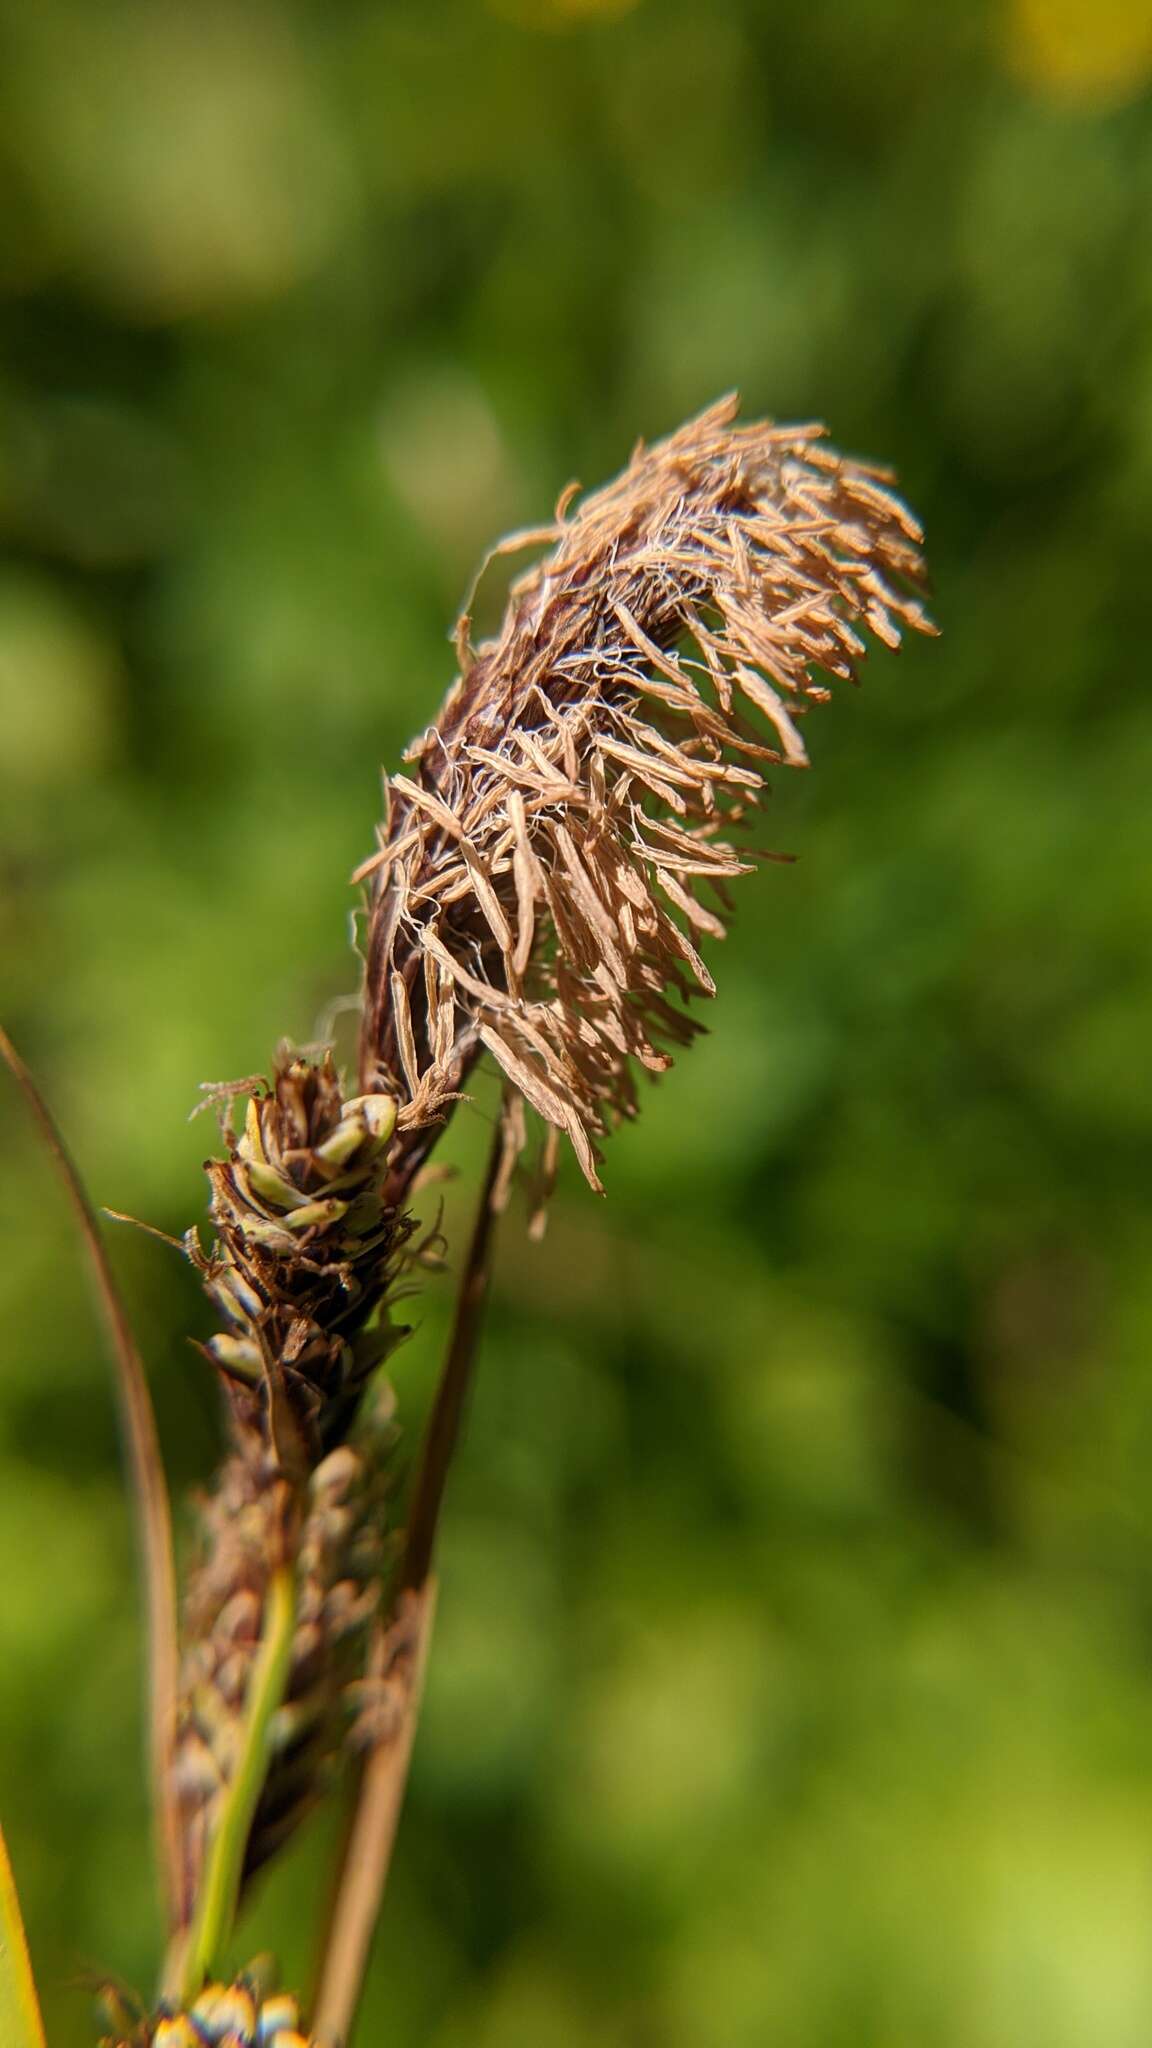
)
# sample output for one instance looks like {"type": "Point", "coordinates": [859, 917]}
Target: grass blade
{"type": "Point", "coordinates": [148, 1484]}
{"type": "Point", "coordinates": [20, 2023]}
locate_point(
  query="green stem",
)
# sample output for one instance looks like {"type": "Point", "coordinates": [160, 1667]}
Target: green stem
{"type": "Point", "coordinates": [220, 1888]}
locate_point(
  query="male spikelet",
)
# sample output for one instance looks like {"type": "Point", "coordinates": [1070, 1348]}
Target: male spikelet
{"type": "Point", "coordinates": [545, 874]}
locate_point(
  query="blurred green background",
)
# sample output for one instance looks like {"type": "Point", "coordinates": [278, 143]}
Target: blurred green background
{"type": "Point", "coordinates": [793, 1681]}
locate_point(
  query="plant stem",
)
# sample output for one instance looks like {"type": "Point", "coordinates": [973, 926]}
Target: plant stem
{"type": "Point", "coordinates": [224, 1870]}
{"type": "Point", "coordinates": [451, 1394]}
{"type": "Point", "coordinates": [369, 1849]}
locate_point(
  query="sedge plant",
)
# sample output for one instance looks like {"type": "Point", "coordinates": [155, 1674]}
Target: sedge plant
{"type": "Point", "coordinates": [553, 860]}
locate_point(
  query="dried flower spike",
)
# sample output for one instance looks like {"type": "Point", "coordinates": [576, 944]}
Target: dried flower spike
{"type": "Point", "coordinates": [546, 874]}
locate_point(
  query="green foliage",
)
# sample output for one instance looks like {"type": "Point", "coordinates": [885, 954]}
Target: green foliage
{"type": "Point", "coordinates": [792, 1677]}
